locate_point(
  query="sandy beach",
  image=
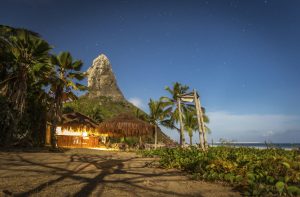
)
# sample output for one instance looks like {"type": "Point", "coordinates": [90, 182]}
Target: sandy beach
{"type": "Point", "coordinates": [83, 172]}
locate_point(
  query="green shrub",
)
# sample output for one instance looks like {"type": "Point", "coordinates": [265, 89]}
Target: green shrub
{"type": "Point", "coordinates": [255, 172]}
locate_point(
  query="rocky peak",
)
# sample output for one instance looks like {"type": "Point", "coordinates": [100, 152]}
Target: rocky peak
{"type": "Point", "coordinates": [102, 81]}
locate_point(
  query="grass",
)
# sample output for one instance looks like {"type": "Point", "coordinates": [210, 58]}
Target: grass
{"type": "Point", "coordinates": [101, 108]}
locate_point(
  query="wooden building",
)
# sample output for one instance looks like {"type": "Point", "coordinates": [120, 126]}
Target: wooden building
{"type": "Point", "coordinates": [126, 125]}
{"type": "Point", "coordinates": [77, 131]}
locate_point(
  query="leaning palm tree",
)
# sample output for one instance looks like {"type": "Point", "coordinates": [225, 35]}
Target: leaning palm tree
{"type": "Point", "coordinates": [158, 112]}
{"type": "Point", "coordinates": [172, 101]}
{"type": "Point", "coordinates": [63, 84]}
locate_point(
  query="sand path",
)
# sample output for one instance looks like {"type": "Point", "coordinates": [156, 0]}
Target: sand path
{"type": "Point", "coordinates": [82, 172]}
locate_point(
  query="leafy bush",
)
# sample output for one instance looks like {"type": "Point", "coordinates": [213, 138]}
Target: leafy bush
{"type": "Point", "coordinates": [255, 172]}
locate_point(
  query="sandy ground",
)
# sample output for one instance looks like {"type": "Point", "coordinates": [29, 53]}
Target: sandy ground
{"type": "Point", "coordinates": [82, 172]}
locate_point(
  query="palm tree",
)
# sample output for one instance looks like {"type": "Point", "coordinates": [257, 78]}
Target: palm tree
{"type": "Point", "coordinates": [158, 112]}
{"type": "Point", "coordinates": [24, 61]}
{"type": "Point", "coordinates": [24, 56]}
{"type": "Point", "coordinates": [207, 130]}
{"type": "Point", "coordinates": [190, 123]}
{"type": "Point", "coordinates": [141, 115]}
{"type": "Point", "coordinates": [63, 84]}
{"type": "Point", "coordinates": [173, 119]}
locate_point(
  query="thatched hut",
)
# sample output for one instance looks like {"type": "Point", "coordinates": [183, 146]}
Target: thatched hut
{"type": "Point", "coordinates": [125, 125]}
{"type": "Point", "coordinates": [78, 130]}
{"type": "Point", "coordinates": [76, 123]}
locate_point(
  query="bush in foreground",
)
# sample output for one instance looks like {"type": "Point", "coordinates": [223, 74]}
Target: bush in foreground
{"type": "Point", "coordinates": [255, 172]}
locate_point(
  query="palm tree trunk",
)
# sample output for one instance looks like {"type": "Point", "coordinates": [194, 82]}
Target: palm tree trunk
{"type": "Point", "coordinates": [52, 133]}
{"type": "Point", "coordinates": [182, 140]}
{"type": "Point", "coordinates": [155, 137]}
{"type": "Point", "coordinates": [191, 140]}
{"type": "Point", "coordinates": [56, 115]}
{"type": "Point", "coordinates": [20, 90]}
{"type": "Point", "coordinates": [205, 140]}
{"type": "Point", "coordinates": [54, 122]}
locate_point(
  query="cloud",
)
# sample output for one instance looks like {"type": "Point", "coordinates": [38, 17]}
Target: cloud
{"type": "Point", "coordinates": [248, 128]}
{"type": "Point", "coordinates": [269, 133]}
{"type": "Point", "coordinates": [254, 127]}
{"type": "Point", "coordinates": [136, 101]}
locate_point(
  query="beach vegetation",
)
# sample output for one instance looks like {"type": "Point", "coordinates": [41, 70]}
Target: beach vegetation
{"type": "Point", "coordinates": [254, 172]}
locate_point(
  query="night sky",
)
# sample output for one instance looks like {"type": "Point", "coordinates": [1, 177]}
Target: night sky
{"type": "Point", "coordinates": [242, 56]}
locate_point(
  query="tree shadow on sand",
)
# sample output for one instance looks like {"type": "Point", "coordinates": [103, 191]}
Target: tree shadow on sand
{"type": "Point", "coordinates": [104, 166]}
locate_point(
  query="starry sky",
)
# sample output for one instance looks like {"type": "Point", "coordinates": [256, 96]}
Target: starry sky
{"type": "Point", "coordinates": [241, 55]}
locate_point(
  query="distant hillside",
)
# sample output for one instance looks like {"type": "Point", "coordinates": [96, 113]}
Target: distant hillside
{"type": "Point", "coordinates": [102, 108]}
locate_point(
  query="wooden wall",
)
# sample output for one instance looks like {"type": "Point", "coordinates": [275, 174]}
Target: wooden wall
{"type": "Point", "coordinates": [77, 141]}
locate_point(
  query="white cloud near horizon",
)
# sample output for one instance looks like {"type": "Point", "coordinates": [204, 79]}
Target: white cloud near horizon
{"type": "Point", "coordinates": [136, 102]}
{"type": "Point", "coordinates": [248, 128]}
{"type": "Point", "coordinates": [254, 127]}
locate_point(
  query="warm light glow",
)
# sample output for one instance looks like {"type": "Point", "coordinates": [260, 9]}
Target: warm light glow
{"type": "Point", "coordinates": [75, 131]}
{"type": "Point", "coordinates": [65, 131]}
{"type": "Point", "coordinates": [58, 130]}
{"type": "Point", "coordinates": [103, 139]}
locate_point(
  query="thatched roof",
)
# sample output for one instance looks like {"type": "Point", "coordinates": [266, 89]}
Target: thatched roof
{"type": "Point", "coordinates": [78, 119]}
{"type": "Point", "coordinates": [126, 125]}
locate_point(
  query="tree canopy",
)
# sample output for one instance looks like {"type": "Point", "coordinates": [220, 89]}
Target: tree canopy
{"type": "Point", "coordinates": [33, 84]}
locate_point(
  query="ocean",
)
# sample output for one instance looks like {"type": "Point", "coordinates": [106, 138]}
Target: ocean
{"type": "Point", "coordinates": [287, 146]}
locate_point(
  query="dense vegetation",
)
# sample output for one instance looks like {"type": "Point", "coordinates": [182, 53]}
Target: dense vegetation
{"type": "Point", "coordinates": [255, 172]}
{"type": "Point", "coordinates": [33, 84]}
{"type": "Point", "coordinates": [102, 108]}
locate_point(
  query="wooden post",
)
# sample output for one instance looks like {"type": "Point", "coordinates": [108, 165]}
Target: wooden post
{"type": "Point", "coordinates": [199, 120]}
{"type": "Point", "coordinates": [155, 137]}
{"type": "Point", "coordinates": [182, 141]}
{"type": "Point", "coordinates": [202, 124]}
{"type": "Point", "coordinates": [48, 135]}
{"type": "Point", "coordinates": [203, 127]}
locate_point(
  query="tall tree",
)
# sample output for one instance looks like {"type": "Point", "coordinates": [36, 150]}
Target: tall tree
{"type": "Point", "coordinates": [190, 123]}
{"type": "Point", "coordinates": [64, 81]}
{"type": "Point", "coordinates": [24, 61]}
{"type": "Point", "coordinates": [172, 101]}
{"type": "Point", "coordinates": [157, 114]}
{"type": "Point", "coordinates": [24, 55]}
